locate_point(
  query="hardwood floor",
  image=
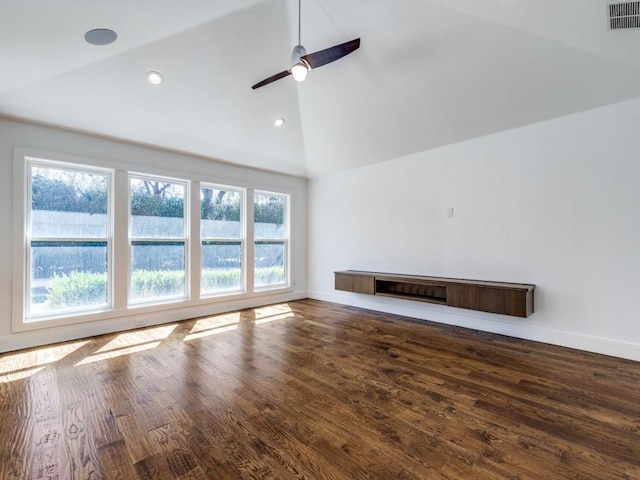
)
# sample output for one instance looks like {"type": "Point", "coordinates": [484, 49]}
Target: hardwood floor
{"type": "Point", "coordinates": [318, 391]}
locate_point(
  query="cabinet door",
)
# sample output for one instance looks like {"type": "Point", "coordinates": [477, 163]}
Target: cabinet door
{"type": "Point", "coordinates": [487, 299]}
{"type": "Point", "coordinates": [465, 296]}
{"type": "Point", "coordinates": [354, 283]}
{"type": "Point", "coordinates": [506, 302]}
{"type": "Point", "coordinates": [363, 284]}
{"type": "Point", "coordinates": [344, 282]}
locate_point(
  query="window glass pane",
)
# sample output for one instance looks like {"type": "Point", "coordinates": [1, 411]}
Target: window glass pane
{"type": "Point", "coordinates": [220, 213]}
{"type": "Point", "coordinates": [157, 209]}
{"type": "Point", "coordinates": [67, 276]}
{"type": "Point", "coordinates": [68, 203]}
{"type": "Point", "coordinates": [221, 267]}
{"type": "Point", "coordinates": [157, 270]}
{"type": "Point", "coordinates": [269, 216]}
{"type": "Point", "coordinates": [269, 263]}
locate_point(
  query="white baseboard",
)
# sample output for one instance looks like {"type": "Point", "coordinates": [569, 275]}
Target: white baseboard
{"type": "Point", "coordinates": [498, 324]}
{"type": "Point", "coordinates": [18, 341]}
{"type": "Point", "coordinates": [487, 322]}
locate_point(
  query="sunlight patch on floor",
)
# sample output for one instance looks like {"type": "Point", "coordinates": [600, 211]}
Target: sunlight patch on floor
{"type": "Point", "coordinates": [17, 366]}
{"type": "Point", "coordinates": [216, 321]}
{"type": "Point", "coordinates": [207, 333]}
{"type": "Point", "coordinates": [19, 375]}
{"type": "Point", "coordinates": [273, 318]}
{"type": "Point", "coordinates": [271, 310]}
{"type": "Point", "coordinates": [214, 325]}
{"type": "Point", "coordinates": [138, 337]}
{"type": "Point", "coordinates": [98, 357]}
{"type": "Point", "coordinates": [129, 343]}
{"type": "Point", "coordinates": [273, 313]}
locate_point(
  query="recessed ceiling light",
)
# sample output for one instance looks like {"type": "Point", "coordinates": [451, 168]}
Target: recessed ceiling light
{"type": "Point", "coordinates": [155, 78]}
{"type": "Point", "coordinates": [278, 122]}
{"type": "Point", "coordinates": [100, 36]}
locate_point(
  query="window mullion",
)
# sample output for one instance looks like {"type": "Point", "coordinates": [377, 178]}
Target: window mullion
{"type": "Point", "coordinates": [195, 250]}
{"type": "Point", "coordinates": [121, 252]}
{"type": "Point", "coordinates": [250, 243]}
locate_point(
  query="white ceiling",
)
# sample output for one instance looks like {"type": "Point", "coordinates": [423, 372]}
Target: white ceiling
{"type": "Point", "coordinates": [428, 73]}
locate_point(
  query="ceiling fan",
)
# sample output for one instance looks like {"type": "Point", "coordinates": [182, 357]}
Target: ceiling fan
{"type": "Point", "coordinates": [302, 62]}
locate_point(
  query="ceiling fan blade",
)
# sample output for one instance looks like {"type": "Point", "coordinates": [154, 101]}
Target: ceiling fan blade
{"type": "Point", "coordinates": [331, 54]}
{"type": "Point", "coordinates": [272, 78]}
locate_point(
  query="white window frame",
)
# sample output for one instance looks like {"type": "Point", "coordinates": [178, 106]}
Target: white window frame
{"type": "Point", "coordinates": [285, 241]}
{"type": "Point", "coordinates": [22, 162]}
{"type": "Point", "coordinates": [121, 315]}
{"type": "Point", "coordinates": [131, 303]}
{"type": "Point", "coordinates": [31, 162]}
{"type": "Point", "coordinates": [241, 239]}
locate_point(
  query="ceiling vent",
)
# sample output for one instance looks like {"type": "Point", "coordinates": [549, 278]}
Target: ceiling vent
{"type": "Point", "coordinates": [623, 15]}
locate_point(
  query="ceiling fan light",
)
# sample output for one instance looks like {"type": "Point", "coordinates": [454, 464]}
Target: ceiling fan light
{"type": "Point", "coordinates": [299, 72]}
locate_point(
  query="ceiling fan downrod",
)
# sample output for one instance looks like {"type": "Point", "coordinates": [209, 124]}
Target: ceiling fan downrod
{"type": "Point", "coordinates": [299, 67]}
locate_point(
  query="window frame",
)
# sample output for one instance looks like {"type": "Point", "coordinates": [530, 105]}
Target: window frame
{"type": "Point", "coordinates": [30, 239]}
{"type": "Point", "coordinates": [185, 240]}
{"type": "Point", "coordinates": [228, 240]}
{"type": "Point", "coordinates": [284, 241]}
{"type": "Point", "coordinates": [121, 315]}
{"type": "Point", "coordinates": [21, 266]}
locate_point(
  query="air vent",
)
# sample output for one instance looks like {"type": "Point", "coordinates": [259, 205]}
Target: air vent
{"type": "Point", "coordinates": [623, 15]}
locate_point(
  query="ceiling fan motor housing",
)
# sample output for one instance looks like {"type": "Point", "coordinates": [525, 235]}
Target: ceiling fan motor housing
{"type": "Point", "coordinates": [298, 52]}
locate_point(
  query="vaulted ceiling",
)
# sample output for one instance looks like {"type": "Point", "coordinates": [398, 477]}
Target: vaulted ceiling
{"type": "Point", "coordinates": [428, 73]}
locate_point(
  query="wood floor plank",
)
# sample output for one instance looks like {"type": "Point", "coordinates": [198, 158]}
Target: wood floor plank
{"type": "Point", "coordinates": [314, 390]}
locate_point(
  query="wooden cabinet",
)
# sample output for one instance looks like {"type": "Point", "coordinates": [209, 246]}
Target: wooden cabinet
{"type": "Point", "coordinates": [508, 300]}
{"type": "Point", "coordinates": [505, 298]}
{"type": "Point", "coordinates": [353, 282]}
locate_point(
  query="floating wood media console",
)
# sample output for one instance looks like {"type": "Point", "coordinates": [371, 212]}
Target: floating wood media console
{"type": "Point", "coordinates": [495, 297]}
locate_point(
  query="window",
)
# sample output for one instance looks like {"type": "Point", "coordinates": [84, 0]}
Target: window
{"type": "Point", "coordinates": [69, 239]}
{"type": "Point", "coordinates": [94, 242]}
{"type": "Point", "coordinates": [222, 237]}
{"type": "Point", "coordinates": [271, 240]}
{"type": "Point", "coordinates": [158, 239]}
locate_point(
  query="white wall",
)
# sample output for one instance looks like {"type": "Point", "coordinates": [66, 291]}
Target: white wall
{"type": "Point", "coordinates": [556, 204]}
{"type": "Point", "coordinates": [146, 160]}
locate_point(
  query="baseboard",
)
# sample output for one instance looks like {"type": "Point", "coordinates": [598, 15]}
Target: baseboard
{"type": "Point", "coordinates": [46, 336]}
{"type": "Point", "coordinates": [499, 324]}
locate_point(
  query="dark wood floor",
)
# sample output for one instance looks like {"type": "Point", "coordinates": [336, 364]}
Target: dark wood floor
{"type": "Point", "coordinates": [318, 391]}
